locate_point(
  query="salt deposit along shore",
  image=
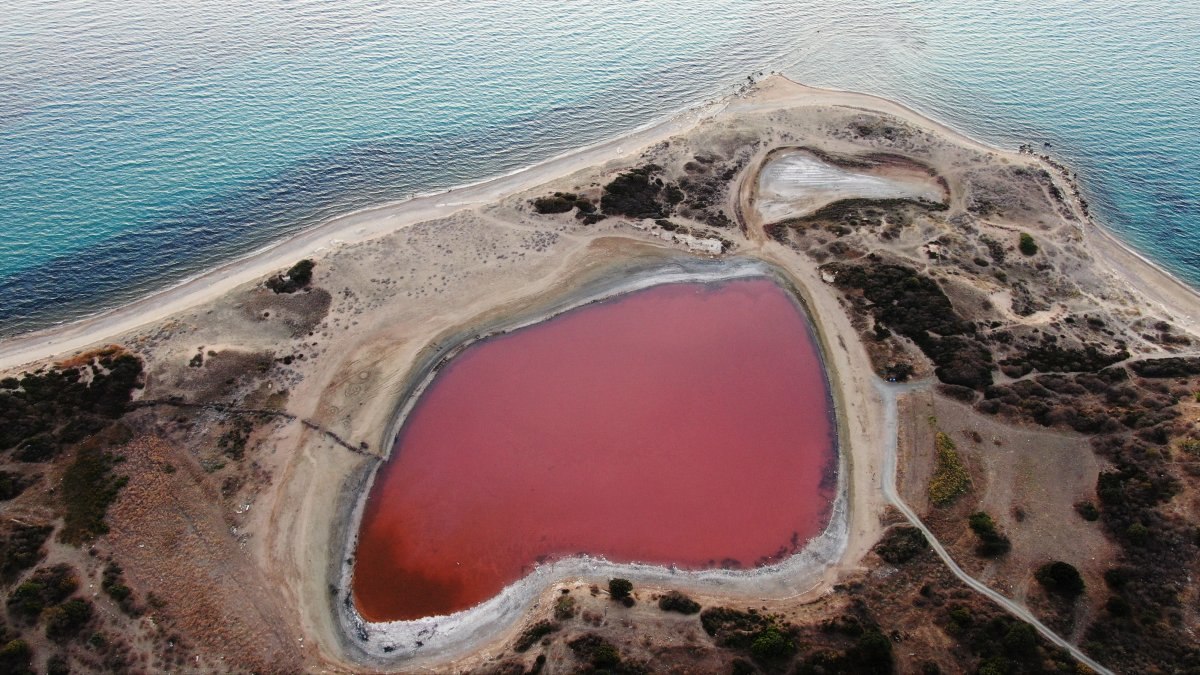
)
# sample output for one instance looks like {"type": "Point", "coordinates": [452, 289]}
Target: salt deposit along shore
{"type": "Point", "coordinates": [311, 386]}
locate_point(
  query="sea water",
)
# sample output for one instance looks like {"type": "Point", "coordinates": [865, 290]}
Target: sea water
{"type": "Point", "coordinates": [142, 142]}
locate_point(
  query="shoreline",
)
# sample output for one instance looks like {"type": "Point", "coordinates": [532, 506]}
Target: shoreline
{"type": "Point", "coordinates": [374, 221]}
{"type": "Point", "coordinates": [439, 639]}
{"type": "Point", "coordinates": [348, 228]}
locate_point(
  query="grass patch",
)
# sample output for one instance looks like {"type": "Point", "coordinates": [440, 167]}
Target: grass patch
{"type": "Point", "coordinates": [950, 478]}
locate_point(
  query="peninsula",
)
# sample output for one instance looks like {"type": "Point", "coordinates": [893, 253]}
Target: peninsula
{"type": "Point", "coordinates": [994, 408]}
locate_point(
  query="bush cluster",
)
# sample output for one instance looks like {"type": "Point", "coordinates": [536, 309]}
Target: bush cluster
{"type": "Point", "coordinates": [44, 412]}
{"type": "Point", "coordinates": [562, 202]}
{"type": "Point", "coordinates": [620, 590]}
{"type": "Point", "coordinates": [297, 277]}
{"type": "Point", "coordinates": [1055, 359]}
{"type": "Point", "coordinates": [596, 652]}
{"type": "Point", "coordinates": [113, 584]}
{"type": "Point", "coordinates": [1060, 578]}
{"type": "Point", "coordinates": [89, 485]}
{"type": "Point", "coordinates": [1003, 644]}
{"type": "Point", "coordinates": [22, 549]}
{"type": "Point", "coordinates": [950, 478]}
{"type": "Point", "coordinates": [637, 193]}
{"type": "Point", "coordinates": [766, 637]}
{"type": "Point", "coordinates": [992, 542]}
{"type": "Point", "coordinates": [901, 544]}
{"type": "Point", "coordinates": [533, 634]}
{"type": "Point", "coordinates": [674, 601]}
{"type": "Point", "coordinates": [1173, 366]}
{"type": "Point", "coordinates": [1026, 244]}
{"type": "Point", "coordinates": [915, 306]}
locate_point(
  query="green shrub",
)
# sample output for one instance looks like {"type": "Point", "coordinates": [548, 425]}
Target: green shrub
{"type": "Point", "coordinates": [1027, 245]}
{"type": "Point", "coordinates": [1060, 578]}
{"type": "Point", "coordinates": [52, 409]}
{"type": "Point", "coordinates": [297, 277]}
{"type": "Point", "coordinates": [1088, 511]}
{"type": "Point", "coordinates": [901, 544]}
{"type": "Point", "coordinates": [595, 650]}
{"type": "Point", "coordinates": [113, 584]}
{"type": "Point", "coordinates": [771, 644]}
{"type": "Point", "coordinates": [16, 657]}
{"type": "Point", "coordinates": [620, 589]}
{"type": "Point", "coordinates": [534, 633]}
{"type": "Point", "coordinates": [637, 194]}
{"type": "Point", "coordinates": [950, 478]}
{"type": "Point", "coordinates": [22, 549]}
{"type": "Point", "coordinates": [562, 202]}
{"type": "Point", "coordinates": [991, 542]}
{"type": "Point", "coordinates": [67, 619]}
{"type": "Point", "coordinates": [564, 607]}
{"type": "Point", "coordinates": [675, 601]}
{"type": "Point", "coordinates": [1190, 446]}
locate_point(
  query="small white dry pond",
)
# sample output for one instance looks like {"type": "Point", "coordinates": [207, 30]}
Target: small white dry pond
{"type": "Point", "coordinates": [798, 183]}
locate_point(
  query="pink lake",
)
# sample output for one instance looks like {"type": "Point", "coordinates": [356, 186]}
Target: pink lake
{"type": "Point", "coordinates": [686, 424]}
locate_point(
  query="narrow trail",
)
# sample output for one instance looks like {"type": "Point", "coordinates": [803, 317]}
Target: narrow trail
{"type": "Point", "coordinates": [889, 394]}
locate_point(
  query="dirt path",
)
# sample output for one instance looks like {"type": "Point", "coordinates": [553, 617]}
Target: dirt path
{"type": "Point", "coordinates": [889, 394]}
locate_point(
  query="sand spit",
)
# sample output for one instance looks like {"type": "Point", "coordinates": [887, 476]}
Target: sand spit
{"type": "Point", "coordinates": [439, 638]}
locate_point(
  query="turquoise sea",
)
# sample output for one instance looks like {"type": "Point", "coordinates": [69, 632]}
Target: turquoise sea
{"type": "Point", "coordinates": [142, 142]}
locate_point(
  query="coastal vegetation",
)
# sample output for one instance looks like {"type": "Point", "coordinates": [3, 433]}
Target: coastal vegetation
{"type": "Point", "coordinates": [621, 590]}
{"type": "Point", "coordinates": [900, 544]}
{"type": "Point", "coordinates": [674, 601]}
{"type": "Point", "coordinates": [640, 193]}
{"type": "Point", "coordinates": [562, 202]}
{"type": "Point", "coordinates": [297, 277]}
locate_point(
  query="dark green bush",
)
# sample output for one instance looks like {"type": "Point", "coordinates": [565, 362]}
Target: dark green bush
{"type": "Point", "coordinates": [901, 544]}
{"type": "Point", "coordinates": [915, 306]}
{"type": "Point", "coordinates": [16, 657]}
{"type": "Point", "coordinates": [675, 601]}
{"type": "Point", "coordinates": [620, 589]}
{"type": "Point", "coordinates": [1060, 578]}
{"type": "Point", "coordinates": [22, 549]}
{"type": "Point", "coordinates": [66, 620]}
{"type": "Point", "coordinates": [772, 644]}
{"type": "Point", "coordinates": [1087, 511]}
{"type": "Point", "coordinates": [637, 194]}
{"type": "Point", "coordinates": [297, 277]}
{"type": "Point", "coordinates": [562, 202]}
{"type": "Point", "coordinates": [992, 542]}
{"type": "Point", "coordinates": [1027, 245]}
{"type": "Point", "coordinates": [54, 408]}
{"type": "Point", "coordinates": [595, 650]}
{"type": "Point", "coordinates": [89, 485]}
